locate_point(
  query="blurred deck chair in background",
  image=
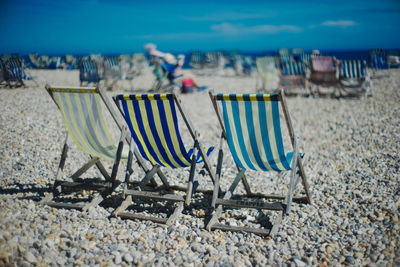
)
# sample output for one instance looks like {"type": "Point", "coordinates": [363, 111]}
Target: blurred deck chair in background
{"type": "Point", "coordinates": [153, 122]}
{"type": "Point", "coordinates": [354, 78]}
{"type": "Point", "coordinates": [379, 64]}
{"type": "Point", "coordinates": [237, 63]}
{"type": "Point", "coordinates": [81, 109]}
{"type": "Point", "coordinates": [127, 64]}
{"type": "Point", "coordinates": [251, 126]}
{"type": "Point", "coordinates": [268, 73]}
{"type": "Point", "coordinates": [197, 60]}
{"type": "Point", "coordinates": [323, 72]}
{"type": "Point", "coordinates": [284, 55]}
{"type": "Point", "coordinates": [89, 72]}
{"type": "Point", "coordinates": [139, 61]}
{"type": "Point", "coordinates": [112, 71]}
{"type": "Point", "coordinates": [14, 72]}
{"type": "Point", "coordinates": [2, 72]}
{"type": "Point", "coordinates": [393, 59]}
{"type": "Point", "coordinates": [214, 62]}
{"type": "Point", "coordinates": [293, 76]}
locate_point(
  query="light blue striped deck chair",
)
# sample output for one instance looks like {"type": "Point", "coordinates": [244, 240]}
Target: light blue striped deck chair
{"type": "Point", "coordinates": [81, 109]}
{"type": "Point", "coordinates": [197, 59]}
{"type": "Point", "coordinates": [284, 55]}
{"type": "Point", "coordinates": [88, 72]}
{"type": "Point", "coordinates": [251, 125]}
{"type": "Point", "coordinates": [354, 78]}
{"type": "Point", "coordinates": [153, 122]}
{"type": "Point", "coordinates": [379, 64]}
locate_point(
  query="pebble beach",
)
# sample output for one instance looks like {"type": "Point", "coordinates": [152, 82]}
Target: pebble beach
{"type": "Point", "coordinates": [352, 163]}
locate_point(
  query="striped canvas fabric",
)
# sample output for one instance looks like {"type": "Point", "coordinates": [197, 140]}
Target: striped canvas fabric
{"type": "Point", "coordinates": [293, 68]}
{"type": "Point", "coordinates": [322, 63]}
{"type": "Point", "coordinates": [153, 123]}
{"type": "Point", "coordinates": [83, 117]}
{"type": "Point", "coordinates": [353, 69]}
{"type": "Point", "coordinates": [253, 131]}
{"type": "Point", "coordinates": [89, 71]}
{"type": "Point", "coordinates": [14, 69]}
{"type": "Point", "coordinates": [379, 61]}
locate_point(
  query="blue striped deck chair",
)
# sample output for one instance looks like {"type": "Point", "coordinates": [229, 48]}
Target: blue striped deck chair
{"type": "Point", "coordinates": [379, 64]}
{"type": "Point", "coordinates": [81, 109]}
{"type": "Point", "coordinates": [89, 72]}
{"type": "Point", "coordinates": [354, 77]}
{"type": "Point", "coordinates": [153, 122]}
{"type": "Point", "coordinates": [251, 125]}
{"type": "Point", "coordinates": [284, 55]}
{"type": "Point", "coordinates": [295, 72]}
{"type": "Point", "coordinates": [14, 72]}
{"type": "Point", "coordinates": [268, 73]}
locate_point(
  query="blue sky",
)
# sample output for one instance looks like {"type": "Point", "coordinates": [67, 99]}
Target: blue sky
{"type": "Point", "coordinates": [122, 26]}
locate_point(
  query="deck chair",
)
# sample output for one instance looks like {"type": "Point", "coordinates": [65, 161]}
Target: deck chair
{"type": "Point", "coordinates": [284, 55]}
{"type": "Point", "coordinates": [88, 72]}
{"type": "Point", "coordinates": [153, 122]}
{"type": "Point", "coordinates": [251, 125]}
{"type": "Point", "coordinates": [294, 73]}
{"type": "Point", "coordinates": [14, 72]}
{"type": "Point", "coordinates": [215, 61]}
{"type": "Point", "coordinates": [83, 117]}
{"type": "Point", "coordinates": [323, 72]}
{"type": "Point", "coordinates": [379, 64]}
{"type": "Point", "coordinates": [112, 71]}
{"type": "Point", "coordinates": [354, 78]}
{"type": "Point", "coordinates": [2, 72]}
{"type": "Point", "coordinates": [197, 59]}
{"type": "Point", "coordinates": [268, 73]}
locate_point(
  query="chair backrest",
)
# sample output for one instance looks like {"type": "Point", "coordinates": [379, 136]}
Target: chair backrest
{"type": "Point", "coordinates": [323, 63]}
{"type": "Point", "coordinates": [196, 58]}
{"type": "Point", "coordinates": [82, 114]}
{"type": "Point", "coordinates": [284, 55]}
{"type": "Point", "coordinates": [253, 131]}
{"type": "Point", "coordinates": [14, 69]}
{"type": "Point", "coordinates": [379, 61]}
{"type": "Point", "coordinates": [88, 71]}
{"type": "Point", "coordinates": [293, 68]}
{"type": "Point", "coordinates": [353, 69]}
{"type": "Point", "coordinates": [153, 122]}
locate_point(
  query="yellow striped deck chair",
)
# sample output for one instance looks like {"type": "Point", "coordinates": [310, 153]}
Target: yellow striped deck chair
{"type": "Point", "coordinates": [251, 125]}
{"type": "Point", "coordinates": [153, 123]}
{"type": "Point", "coordinates": [82, 114]}
{"type": "Point", "coordinates": [354, 78]}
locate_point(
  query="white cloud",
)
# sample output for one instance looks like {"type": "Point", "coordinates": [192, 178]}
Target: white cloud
{"type": "Point", "coordinates": [339, 23]}
{"type": "Point", "coordinates": [236, 29]}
